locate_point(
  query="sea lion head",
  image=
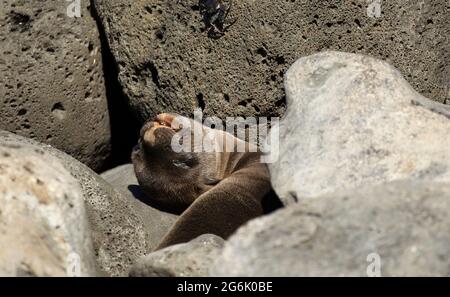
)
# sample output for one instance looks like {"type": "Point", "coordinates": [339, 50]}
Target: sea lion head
{"type": "Point", "coordinates": [169, 179]}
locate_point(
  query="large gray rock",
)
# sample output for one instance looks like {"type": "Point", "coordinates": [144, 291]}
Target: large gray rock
{"type": "Point", "coordinates": [51, 84]}
{"type": "Point", "coordinates": [167, 62]}
{"type": "Point", "coordinates": [396, 229]}
{"type": "Point", "coordinates": [156, 222]}
{"type": "Point", "coordinates": [119, 235]}
{"type": "Point", "coordinates": [44, 228]}
{"type": "Point", "coordinates": [353, 120]}
{"type": "Point", "coordinates": [191, 259]}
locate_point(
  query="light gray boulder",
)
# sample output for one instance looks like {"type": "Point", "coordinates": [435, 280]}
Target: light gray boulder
{"type": "Point", "coordinates": [118, 233]}
{"type": "Point", "coordinates": [396, 229]}
{"type": "Point", "coordinates": [187, 259]}
{"type": "Point", "coordinates": [353, 120]}
{"type": "Point", "coordinates": [44, 228]}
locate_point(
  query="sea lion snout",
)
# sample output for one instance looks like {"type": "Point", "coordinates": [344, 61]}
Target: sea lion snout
{"type": "Point", "coordinates": [160, 130]}
{"type": "Point", "coordinates": [170, 120]}
{"type": "Point", "coordinates": [154, 133]}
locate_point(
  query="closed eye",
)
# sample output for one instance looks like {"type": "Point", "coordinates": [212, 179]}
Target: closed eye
{"type": "Point", "coordinates": [180, 164]}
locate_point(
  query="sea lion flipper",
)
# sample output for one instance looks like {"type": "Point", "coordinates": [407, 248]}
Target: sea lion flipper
{"type": "Point", "coordinates": [210, 214]}
{"type": "Point", "coordinates": [221, 210]}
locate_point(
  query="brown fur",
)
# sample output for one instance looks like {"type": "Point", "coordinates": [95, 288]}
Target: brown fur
{"type": "Point", "coordinates": [216, 192]}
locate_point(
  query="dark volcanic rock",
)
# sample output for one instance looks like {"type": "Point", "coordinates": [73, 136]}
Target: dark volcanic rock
{"type": "Point", "coordinates": [167, 62]}
{"type": "Point", "coordinates": [51, 84]}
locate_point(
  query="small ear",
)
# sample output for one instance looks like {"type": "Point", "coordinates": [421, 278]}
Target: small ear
{"type": "Point", "coordinates": [211, 181]}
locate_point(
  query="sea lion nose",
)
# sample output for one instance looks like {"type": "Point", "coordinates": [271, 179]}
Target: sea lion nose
{"type": "Point", "coordinates": [145, 127]}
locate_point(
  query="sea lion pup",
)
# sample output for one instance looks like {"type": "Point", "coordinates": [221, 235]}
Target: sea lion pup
{"type": "Point", "coordinates": [216, 192]}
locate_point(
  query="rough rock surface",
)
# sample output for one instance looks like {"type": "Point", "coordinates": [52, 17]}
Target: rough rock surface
{"type": "Point", "coordinates": [51, 85]}
{"type": "Point", "coordinates": [167, 62]}
{"type": "Point", "coordinates": [353, 120]}
{"type": "Point", "coordinates": [191, 259]}
{"type": "Point", "coordinates": [43, 223]}
{"type": "Point", "coordinates": [403, 226]}
{"type": "Point", "coordinates": [156, 222]}
{"type": "Point", "coordinates": [118, 234]}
